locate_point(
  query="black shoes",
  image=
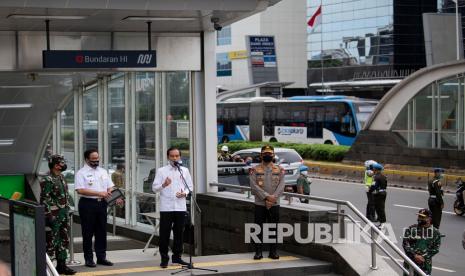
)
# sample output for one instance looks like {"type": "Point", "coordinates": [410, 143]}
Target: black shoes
{"type": "Point", "coordinates": [273, 255]}
{"type": "Point", "coordinates": [63, 269]}
{"type": "Point", "coordinates": [258, 255]}
{"type": "Point", "coordinates": [104, 262]}
{"type": "Point", "coordinates": [164, 263]}
{"type": "Point", "coordinates": [90, 263]}
{"type": "Point", "coordinates": [178, 260]}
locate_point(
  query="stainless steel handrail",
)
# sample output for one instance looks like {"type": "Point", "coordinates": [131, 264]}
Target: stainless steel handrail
{"type": "Point", "coordinates": [374, 231]}
{"type": "Point", "coordinates": [50, 268]}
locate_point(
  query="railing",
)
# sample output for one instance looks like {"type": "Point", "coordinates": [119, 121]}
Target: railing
{"type": "Point", "coordinates": [50, 268]}
{"type": "Point", "coordinates": [373, 234]}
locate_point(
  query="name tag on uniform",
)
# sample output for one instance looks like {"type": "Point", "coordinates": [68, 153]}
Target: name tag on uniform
{"type": "Point", "coordinates": [90, 179]}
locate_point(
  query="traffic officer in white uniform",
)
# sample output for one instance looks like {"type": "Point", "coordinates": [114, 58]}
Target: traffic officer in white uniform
{"type": "Point", "coordinates": [173, 212]}
{"type": "Point", "coordinates": [93, 184]}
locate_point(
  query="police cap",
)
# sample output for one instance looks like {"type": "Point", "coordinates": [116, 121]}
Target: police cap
{"type": "Point", "coordinates": [438, 170]}
{"type": "Point", "coordinates": [425, 213]}
{"type": "Point", "coordinates": [267, 148]}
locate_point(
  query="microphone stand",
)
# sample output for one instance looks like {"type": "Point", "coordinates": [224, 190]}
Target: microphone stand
{"type": "Point", "coordinates": [193, 200]}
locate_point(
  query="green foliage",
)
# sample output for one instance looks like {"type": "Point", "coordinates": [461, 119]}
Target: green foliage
{"type": "Point", "coordinates": [182, 144]}
{"type": "Point", "coordinates": [307, 151]}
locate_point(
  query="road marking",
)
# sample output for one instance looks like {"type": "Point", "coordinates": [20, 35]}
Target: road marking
{"type": "Point", "coordinates": [389, 187]}
{"type": "Point", "coordinates": [418, 208]}
{"type": "Point", "coordinates": [174, 267]}
{"type": "Point", "coordinates": [434, 267]}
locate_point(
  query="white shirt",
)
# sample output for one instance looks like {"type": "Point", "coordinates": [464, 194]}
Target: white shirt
{"type": "Point", "coordinates": [92, 179]}
{"type": "Point", "coordinates": [168, 200]}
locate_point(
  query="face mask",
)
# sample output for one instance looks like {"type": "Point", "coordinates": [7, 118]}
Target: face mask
{"type": "Point", "coordinates": [248, 162]}
{"type": "Point", "coordinates": [64, 167]}
{"type": "Point", "coordinates": [267, 158]}
{"type": "Point", "coordinates": [304, 172]}
{"type": "Point", "coordinates": [94, 164]}
{"type": "Point", "coordinates": [175, 163]}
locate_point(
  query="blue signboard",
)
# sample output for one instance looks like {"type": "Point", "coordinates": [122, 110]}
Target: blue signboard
{"type": "Point", "coordinates": [99, 59]}
{"type": "Point", "coordinates": [262, 51]}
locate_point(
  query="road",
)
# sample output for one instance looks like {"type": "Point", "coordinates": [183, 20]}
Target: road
{"type": "Point", "coordinates": [401, 207]}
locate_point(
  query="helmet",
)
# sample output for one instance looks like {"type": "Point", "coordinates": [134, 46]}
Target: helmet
{"type": "Point", "coordinates": [425, 213]}
{"type": "Point", "coordinates": [369, 163]}
{"type": "Point", "coordinates": [303, 168]}
{"type": "Point", "coordinates": [378, 166]}
{"type": "Point", "coordinates": [224, 148]}
{"type": "Point", "coordinates": [438, 170]}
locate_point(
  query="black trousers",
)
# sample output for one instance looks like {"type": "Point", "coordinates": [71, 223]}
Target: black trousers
{"type": "Point", "coordinates": [370, 207]}
{"type": "Point", "coordinates": [263, 215]}
{"type": "Point", "coordinates": [436, 211]}
{"type": "Point", "coordinates": [93, 215]}
{"type": "Point", "coordinates": [171, 221]}
{"type": "Point", "coordinates": [380, 201]}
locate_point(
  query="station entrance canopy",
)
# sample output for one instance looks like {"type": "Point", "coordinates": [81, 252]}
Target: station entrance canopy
{"type": "Point", "coordinates": [181, 33]}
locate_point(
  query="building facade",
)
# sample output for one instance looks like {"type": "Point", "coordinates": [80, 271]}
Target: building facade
{"type": "Point", "coordinates": [286, 22]}
{"type": "Point", "coordinates": [365, 40]}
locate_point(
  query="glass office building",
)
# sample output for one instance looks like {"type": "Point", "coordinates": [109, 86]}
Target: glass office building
{"type": "Point", "coordinates": [366, 39]}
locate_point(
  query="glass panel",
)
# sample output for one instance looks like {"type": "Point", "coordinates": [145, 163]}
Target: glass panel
{"type": "Point", "coordinates": [401, 122]}
{"type": "Point", "coordinates": [144, 204]}
{"type": "Point", "coordinates": [449, 141]}
{"type": "Point", "coordinates": [423, 139]}
{"type": "Point", "coordinates": [116, 133]}
{"type": "Point", "coordinates": [90, 119]}
{"type": "Point", "coordinates": [67, 146]}
{"type": "Point", "coordinates": [145, 131]}
{"type": "Point", "coordinates": [448, 99]}
{"type": "Point", "coordinates": [423, 112]}
{"type": "Point", "coordinates": [43, 166]}
{"type": "Point", "coordinates": [177, 108]}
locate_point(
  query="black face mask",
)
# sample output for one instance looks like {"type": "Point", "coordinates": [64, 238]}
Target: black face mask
{"type": "Point", "coordinates": [267, 158]}
{"type": "Point", "coordinates": [63, 167]}
{"type": "Point", "coordinates": [94, 164]}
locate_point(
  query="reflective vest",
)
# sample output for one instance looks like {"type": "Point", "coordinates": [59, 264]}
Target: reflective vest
{"type": "Point", "coordinates": [368, 180]}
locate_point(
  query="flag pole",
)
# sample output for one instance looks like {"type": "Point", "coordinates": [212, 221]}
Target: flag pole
{"type": "Point", "coordinates": [321, 50]}
{"type": "Point", "coordinates": [457, 27]}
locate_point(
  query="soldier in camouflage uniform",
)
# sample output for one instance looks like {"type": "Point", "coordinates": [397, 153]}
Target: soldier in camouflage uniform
{"type": "Point", "coordinates": [267, 184]}
{"type": "Point", "coordinates": [54, 196]}
{"type": "Point", "coordinates": [421, 242]}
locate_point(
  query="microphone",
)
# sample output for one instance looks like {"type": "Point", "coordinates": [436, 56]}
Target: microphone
{"type": "Point", "coordinates": [177, 163]}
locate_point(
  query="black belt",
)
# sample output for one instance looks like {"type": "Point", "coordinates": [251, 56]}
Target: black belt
{"type": "Point", "coordinates": [93, 199]}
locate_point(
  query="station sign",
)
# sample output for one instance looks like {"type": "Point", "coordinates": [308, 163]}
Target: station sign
{"type": "Point", "coordinates": [98, 59]}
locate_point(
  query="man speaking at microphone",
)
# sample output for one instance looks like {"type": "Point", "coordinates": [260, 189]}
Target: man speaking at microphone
{"type": "Point", "coordinates": [169, 181]}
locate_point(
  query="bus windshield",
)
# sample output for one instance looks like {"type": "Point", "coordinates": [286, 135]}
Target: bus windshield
{"type": "Point", "coordinates": [364, 111]}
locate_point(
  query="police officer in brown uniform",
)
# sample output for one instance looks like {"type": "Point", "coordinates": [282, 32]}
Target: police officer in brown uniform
{"type": "Point", "coordinates": [267, 183]}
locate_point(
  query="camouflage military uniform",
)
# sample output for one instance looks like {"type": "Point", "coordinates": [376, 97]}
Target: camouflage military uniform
{"type": "Point", "coordinates": [54, 196]}
{"type": "Point", "coordinates": [422, 241]}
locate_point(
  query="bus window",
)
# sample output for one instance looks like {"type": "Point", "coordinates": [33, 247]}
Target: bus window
{"type": "Point", "coordinates": [269, 120]}
{"type": "Point", "coordinates": [315, 122]}
{"type": "Point", "coordinates": [242, 115]}
{"type": "Point", "coordinates": [229, 125]}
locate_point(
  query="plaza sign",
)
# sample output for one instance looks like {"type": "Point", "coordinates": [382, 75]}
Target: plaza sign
{"type": "Point", "coordinates": [98, 59]}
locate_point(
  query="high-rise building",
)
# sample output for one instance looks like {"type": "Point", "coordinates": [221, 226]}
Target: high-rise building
{"type": "Point", "coordinates": [364, 47]}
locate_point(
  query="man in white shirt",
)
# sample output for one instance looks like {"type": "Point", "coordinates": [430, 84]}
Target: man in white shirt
{"type": "Point", "coordinates": [93, 184]}
{"type": "Point", "coordinates": [173, 212]}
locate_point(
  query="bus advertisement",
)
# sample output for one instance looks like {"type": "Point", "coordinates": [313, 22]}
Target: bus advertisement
{"type": "Point", "coordinates": [302, 119]}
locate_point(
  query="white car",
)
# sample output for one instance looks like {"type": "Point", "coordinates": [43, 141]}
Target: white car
{"type": "Point", "coordinates": [288, 159]}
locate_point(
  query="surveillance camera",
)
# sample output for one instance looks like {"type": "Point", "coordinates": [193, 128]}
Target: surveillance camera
{"type": "Point", "coordinates": [216, 25]}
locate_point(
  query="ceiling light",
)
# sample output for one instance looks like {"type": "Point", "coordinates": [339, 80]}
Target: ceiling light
{"type": "Point", "coordinates": [6, 142]}
{"type": "Point", "coordinates": [23, 86]}
{"type": "Point", "coordinates": [39, 16]}
{"type": "Point", "coordinates": [154, 18]}
{"type": "Point", "coordinates": [12, 106]}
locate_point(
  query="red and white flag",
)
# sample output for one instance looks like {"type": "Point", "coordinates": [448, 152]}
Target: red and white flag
{"type": "Point", "coordinates": [315, 20]}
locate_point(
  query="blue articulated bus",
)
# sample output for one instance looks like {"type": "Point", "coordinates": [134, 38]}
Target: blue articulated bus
{"type": "Point", "coordinates": [301, 119]}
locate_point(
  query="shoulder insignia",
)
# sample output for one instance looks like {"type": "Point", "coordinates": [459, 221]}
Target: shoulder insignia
{"type": "Point", "coordinates": [259, 169]}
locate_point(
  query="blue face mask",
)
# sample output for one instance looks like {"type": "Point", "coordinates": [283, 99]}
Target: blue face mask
{"type": "Point", "coordinates": [248, 162]}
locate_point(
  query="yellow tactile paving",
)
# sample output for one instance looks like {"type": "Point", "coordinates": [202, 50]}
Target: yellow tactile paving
{"type": "Point", "coordinates": [174, 267]}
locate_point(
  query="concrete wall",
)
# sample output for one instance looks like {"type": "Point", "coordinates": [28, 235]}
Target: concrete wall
{"type": "Point", "coordinates": [224, 216]}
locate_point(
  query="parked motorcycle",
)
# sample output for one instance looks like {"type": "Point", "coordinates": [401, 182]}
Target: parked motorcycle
{"type": "Point", "coordinates": [459, 207]}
